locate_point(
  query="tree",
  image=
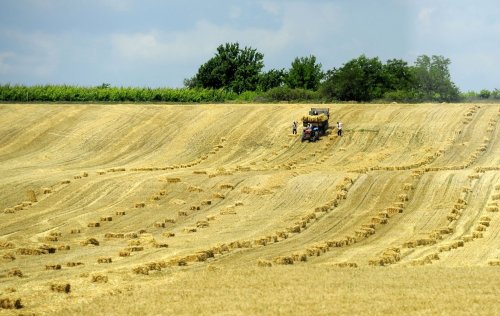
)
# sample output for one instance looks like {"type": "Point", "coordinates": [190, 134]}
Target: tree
{"type": "Point", "coordinates": [360, 79]}
{"type": "Point", "coordinates": [272, 79]}
{"type": "Point", "coordinates": [484, 94]}
{"type": "Point", "coordinates": [433, 81]}
{"type": "Point", "coordinates": [304, 73]}
{"type": "Point", "coordinates": [231, 68]}
{"type": "Point", "coordinates": [399, 76]}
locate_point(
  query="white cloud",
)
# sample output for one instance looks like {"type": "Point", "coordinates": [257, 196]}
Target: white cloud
{"type": "Point", "coordinates": [302, 24]}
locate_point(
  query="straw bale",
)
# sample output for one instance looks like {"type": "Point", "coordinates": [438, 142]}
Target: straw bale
{"type": "Point", "coordinates": [99, 278]}
{"type": "Point", "coordinates": [283, 260]}
{"type": "Point", "coordinates": [8, 303]}
{"type": "Point", "coordinates": [264, 263]}
{"type": "Point", "coordinates": [104, 260]}
{"type": "Point", "coordinates": [60, 287]}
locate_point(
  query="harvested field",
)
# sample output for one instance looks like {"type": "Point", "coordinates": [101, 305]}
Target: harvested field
{"type": "Point", "coordinates": [234, 215]}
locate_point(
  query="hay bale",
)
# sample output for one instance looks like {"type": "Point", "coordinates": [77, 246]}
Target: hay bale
{"type": "Point", "coordinates": [467, 238]}
{"type": "Point", "coordinates": [170, 220]}
{"type": "Point", "coordinates": [66, 182]}
{"type": "Point", "coordinates": [160, 225]}
{"type": "Point", "coordinates": [75, 231]}
{"type": "Point", "coordinates": [403, 197]}
{"type": "Point", "coordinates": [60, 287]}
{"type": "Point", "coordinates": [283, 260]}
{"type": "Point", "coordinates": [160, 245]}
{"type": "Point", "coordinates": [189, 230]}
{"type": "Point", "coordinates": [173, 180]}
{"type": "Point", "coordinates": [31, 196]}
{"type": "Point", "coordinates": [53, 267]}
{"type": "Point", "coordinates": [229, 210]}
{"type": "Point", "coordinates": [6, 245]}
{"type": "Point", "coordinates": [477, 234]}
{"type": "Point", "coordinates": [114, 235]}
{"type": "Point", "coordinates": [195, 208]}
{"type": "Point", "coordinates": [140, 205]}
{"type": "Point", "coordinates": [264, 263]}
{"type": "Point", "coordinates": [135, 249]}
{"type": "Point", "coordinates": [106, 219]}
{"type": "Point", "coordinates": [410, 244]}
{"type": "Point", "coordinates": [485, 223]}
{"type": "Point", "coordinates": [494, 263]}
{"type": "Point", "coordinates": [46, 190]}
{"type": "Point", "coordinates": [99, 278]}
{"type": "Point", "coordinates": [206, 202]}
{"type": "Point", "coordinates": [90, 241]}
{"type": "Point", "coordinates": [124, 253]}
{"type": "Point", "coordinates": [131, 235]}
{"type": "Point", "coordinates": [182, 213]}
{"type": "Point", "coordinates": [219, 196]}
{"type": "Point", "coordinates": [29, 252]}
{"type": "Point", "coordinates": [8, 303]}
{"type": "Point", "coordinates": [104, 260]}
{"type": "Point", "coordinates": [9, 256]}
{"type": "Point", "coordinates": [408, 186]}
{"type": "Point", "coordinates": [193, 188]}
{"type": "Point", "coordinates": [74, 264]}
{"type": "Point", "coordinates": [63, 247]}
{"type": "Point", "coordinates": [492, 209]}
{"type": "Point", "coordinates": [345, 264]}
{"type": "Point", "coordinates": [94, 224]}
{"type": "Point", "coordinates": [15, 273]}
{"type": "Point", "coordinates": [202, 224]}
{"type": "Point", "coordinates": [480, 228]}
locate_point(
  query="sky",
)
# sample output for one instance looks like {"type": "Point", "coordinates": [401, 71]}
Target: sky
{"type": "Point", "coordinates": [154, 43]}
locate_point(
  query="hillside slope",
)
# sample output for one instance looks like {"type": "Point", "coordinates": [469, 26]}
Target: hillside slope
{"type": "Point", "coordinates": [169, 189]}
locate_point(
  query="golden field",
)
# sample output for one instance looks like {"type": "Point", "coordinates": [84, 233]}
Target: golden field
{"type": "Point", "coordinates": [219, 209]}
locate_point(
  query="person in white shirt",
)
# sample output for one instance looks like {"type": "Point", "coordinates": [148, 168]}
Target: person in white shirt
{"type": "Point", "coordinates": [339, 128]}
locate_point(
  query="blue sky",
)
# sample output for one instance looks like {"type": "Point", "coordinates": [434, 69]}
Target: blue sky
{"type": "Point", "coordinates": [160, 43]}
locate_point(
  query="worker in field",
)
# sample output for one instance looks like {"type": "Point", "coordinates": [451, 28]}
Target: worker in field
{"type": "Point", "coordinates": [339, 128]}
{"type": "Point", "coordinates": [294, 127]}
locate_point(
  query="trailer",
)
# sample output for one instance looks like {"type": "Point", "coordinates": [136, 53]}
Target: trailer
{"type": "Point", "coordinates": [315, 124]}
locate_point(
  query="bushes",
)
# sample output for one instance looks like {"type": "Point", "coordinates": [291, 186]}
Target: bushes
{"type": "Point", "coordinates": [104, 93]}
{"type": "Point", "coordinates": [287, 94]}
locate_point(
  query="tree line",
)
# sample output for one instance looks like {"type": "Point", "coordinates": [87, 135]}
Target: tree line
{"type": "Point", "coordinates": [236, 74]}
{"type": "Point", "coordinates": [361, 79]}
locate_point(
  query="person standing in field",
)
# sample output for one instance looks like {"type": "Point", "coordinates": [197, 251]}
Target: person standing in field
{"type": "Point", "coordinates": [339, 128]}
{"type": "Point", "coordinates": [294, 127]}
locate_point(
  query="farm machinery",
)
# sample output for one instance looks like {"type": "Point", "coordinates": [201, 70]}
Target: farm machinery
{"type": "Point", "coordinates": [315, 124]}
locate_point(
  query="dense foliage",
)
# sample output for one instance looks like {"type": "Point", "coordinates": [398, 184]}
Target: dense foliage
{"type": "Point", "coordinates": [232, 68]}
{"type": "Point", "coordinates": [104, 93]}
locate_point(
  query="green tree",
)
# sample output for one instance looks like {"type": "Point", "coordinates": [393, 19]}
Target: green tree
{"type": "Point", "coordinates": [231, 68]}
{"type": "Point", "coordinates": [484, 94]}
{"type": "Point", "coordinates": [304, 73]}
{"type": "Point", "coordinates": [399, 75]}
{"type": "Point", "coordinates": [272, 79]}
{"type": "Point", "coordinates": [433, 81]}
{"type": "Point", "coordinates": [360, 79]}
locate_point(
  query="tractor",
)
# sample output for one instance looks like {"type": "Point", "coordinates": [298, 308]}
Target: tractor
{"type": "Point", "coordinates": [315, 124]}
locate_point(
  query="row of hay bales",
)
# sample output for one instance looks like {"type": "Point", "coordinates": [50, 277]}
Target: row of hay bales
{"type": "Point", "coordinates": [364, 231]}
{"type": "Point", "coordinates": [389, 256]}
{"type": "Point", "coordinates": [479, 229]}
